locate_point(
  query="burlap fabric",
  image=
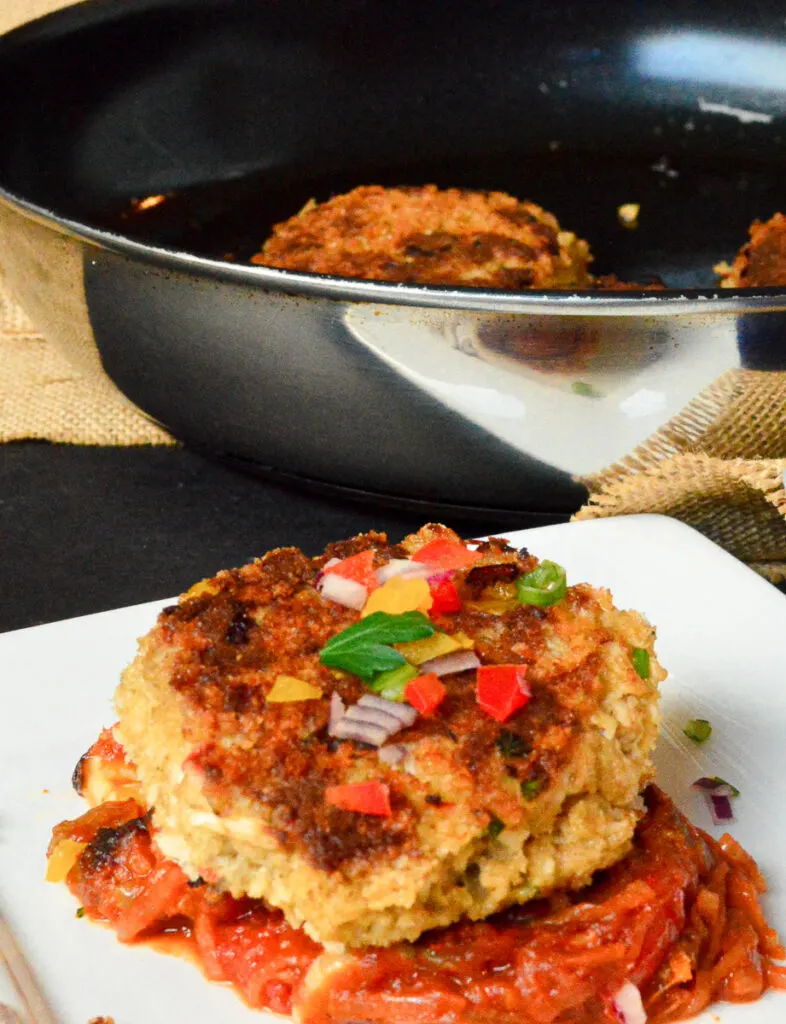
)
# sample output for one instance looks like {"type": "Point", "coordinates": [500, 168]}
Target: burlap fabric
{"type": "Point", "coordinates": [43, 396]}
{"type": "Point", "coordinates": [718, 466]}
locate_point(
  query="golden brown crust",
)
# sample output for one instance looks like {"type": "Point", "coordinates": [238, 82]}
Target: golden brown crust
{"type": "Point", "coordinates": [268, 618]}
{"type": "Point", "coordinates": [238, 783]}
{"type": "Point", "coordinates": [761, 262]}
{"type": "Point", "coordinates": [430, 236]}
{"type": "Point", "coordinates": [611, 283]}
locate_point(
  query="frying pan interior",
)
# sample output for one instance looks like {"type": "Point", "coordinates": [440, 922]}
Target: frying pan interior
{"type": "Point", "coordinates": [245, 111]}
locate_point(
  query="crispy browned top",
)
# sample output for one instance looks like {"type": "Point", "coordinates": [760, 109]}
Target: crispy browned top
{"type": "Point", "coordinates": [426, 235]}
{"type": "Point", "coordinates": [267, 618]}
{"type": "Point", "coordinates": [761, 262]}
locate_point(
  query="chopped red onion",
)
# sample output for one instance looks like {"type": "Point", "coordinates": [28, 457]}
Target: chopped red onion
{"type": "Point", "coordinates": [402, 567]}
{"type": "Point", "coordinates": [337, 712]}
{"type": "Point", "coordinates": [403, 712]}
{"type": "Point", "coordinates": [720, 808]}
{"type": "Point", "coordinates": [627, 1005]}
{"type": "Point", "coordinates": [456, 661]}
{"type": "Point", "coordinates": [392, 753]}
{"type": "Point", "coordinates": [350, 728]}
{"type": "Point", "coordinates": [349, 593]}
{"type": "Point", "coordinates": [436, 578]}
{"type": "Point", "coordinates": [372, 716]}
{"type": "Point", "coordinates": [717, 795]}
{"type": "Point", "coordinates": [373, 720]}
{"type": "Point", "coordinates": [711, 785]}
{"type": "Point", "coordinates": [328, 565]}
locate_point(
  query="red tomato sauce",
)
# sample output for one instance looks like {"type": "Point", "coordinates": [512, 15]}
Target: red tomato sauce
{"type": "Point", "coordinates": [679, 918]}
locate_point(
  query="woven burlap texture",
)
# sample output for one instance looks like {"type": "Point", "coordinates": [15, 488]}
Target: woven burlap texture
{"type": "Point", "coordinates": [43, 396]}
{"type": "Point", "coordinates": [718, 466]}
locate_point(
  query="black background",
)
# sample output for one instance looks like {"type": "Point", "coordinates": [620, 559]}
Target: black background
{"type": "Point", "coordinates": [88, 529]}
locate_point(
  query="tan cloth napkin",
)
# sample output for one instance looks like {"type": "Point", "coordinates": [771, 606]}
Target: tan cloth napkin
{"type": "Point", "coordinates": [718, 466]}
{"type": "Point", "coordinates": [16, 12]}
{"type": "Point", "coordinates": [43, 396]}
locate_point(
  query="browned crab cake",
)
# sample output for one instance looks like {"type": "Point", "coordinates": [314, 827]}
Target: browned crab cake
{"type": "Point", "coordinates": [761, 262]}
{"type": "Point", "coordinates": [430, 236]}
{"type": "Point", "coordinates": [483, 813]}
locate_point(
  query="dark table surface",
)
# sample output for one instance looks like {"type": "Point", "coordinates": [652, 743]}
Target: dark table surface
{"type": "Point", "coordinates": [88, 529]}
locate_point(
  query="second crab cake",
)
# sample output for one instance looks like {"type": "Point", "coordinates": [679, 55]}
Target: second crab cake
{"type": "Point", "coordinates": [303, 736]}
{"type": "Point", "coordinates": [761, 262]}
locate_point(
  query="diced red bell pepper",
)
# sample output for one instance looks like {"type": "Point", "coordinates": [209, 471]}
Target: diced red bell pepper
{"type": "Point", "coordinates": [502, 689]}
{"type": "Point", "coordinates": [425, 693]}
{"type": "Point", "coordinates": [359, 568]}
{"type": "Point", "coordinates": [446, 554]}
{"type": "Point", "coordinates": [362, 797]}
{"type": "Point", "coordinates": [444, 598]}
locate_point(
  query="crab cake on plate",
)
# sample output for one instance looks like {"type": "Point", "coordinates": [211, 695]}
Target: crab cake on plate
{"type": "Point", "coordinates": [386, 738]}
{"type": "Point", "coordinates": [430, 236]}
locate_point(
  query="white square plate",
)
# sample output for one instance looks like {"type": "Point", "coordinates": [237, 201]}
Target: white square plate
{"type": "Point", "coordinates": [721, 633]}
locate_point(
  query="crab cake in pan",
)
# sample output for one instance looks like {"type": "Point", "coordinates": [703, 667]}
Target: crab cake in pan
{"type": "Point", "coordinates": [761, 262]}
{"type": "Point", "coordinates": [516, 778]}
{"type": "Point", "coordinates": [430, 236]}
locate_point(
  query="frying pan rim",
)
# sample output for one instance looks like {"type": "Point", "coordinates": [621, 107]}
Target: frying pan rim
{"type": "Point", "coordinates": [669, 303]}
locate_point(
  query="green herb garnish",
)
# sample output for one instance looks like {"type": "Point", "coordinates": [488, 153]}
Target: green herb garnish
{"type": "Point", "coordinates": [511, 745]}
{"type": "Point", "coordinates": [363, 648]}
{"type": "Point", "coordinates": [391, 685]}
{"type": "Point", "coordinates": [698, 729]}
{"type": "Point", "coordinates": [544, 586]}
{"type": "Point", "coordinates": [531, 787]}
{"type": "Point", "coordinates": [494, 827]}
{"type": "Point", "coordinates": [641, 662]}
{"type": "Point", "coordinates": [80, 911]}
{"type": "Point", "coordinates": [581, 387]}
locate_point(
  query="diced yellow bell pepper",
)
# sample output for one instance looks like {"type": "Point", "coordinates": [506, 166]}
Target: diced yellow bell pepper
{"type": "Point", "coordinates": [205, 588]}
{"type": "Point", "coordinates": [62, 859]}
{"type": "Point", "coordinates": [397, 596]}
{"type": "Point", "coordinates": [288, 689]}
{"type": "Point", "coordinates": [418, 651]}
{"type": "Point", "coordinates": [492, 605]}
{"type": "Point", "coordinates": [465, 642]}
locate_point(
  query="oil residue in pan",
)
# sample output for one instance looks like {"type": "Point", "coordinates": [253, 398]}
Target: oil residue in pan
{"type": "Point", "coordinates": [693, 213]}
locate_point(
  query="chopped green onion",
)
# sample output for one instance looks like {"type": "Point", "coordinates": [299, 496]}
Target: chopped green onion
{"type": "Point", "coordinates": [391, 685]}
{"type": "Point", "coordinates": [495, 826]}
{"type": "Point", "coordinates": [511, 745]}
{"type": "Point", "coordinates": [544, 586]}
{"type": "Point", "coordinates": [698, 729]}
{"type": "Point", "coordinates": [641, 662]}
{"type": "Point", "coordinates": [80, 911]}
{"type": "Point", "coordinates": [531, 787]}
{"type": "Point", "coordinates": [363, 648]}
{"type": "Point", "coordinates": [581, 387]}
